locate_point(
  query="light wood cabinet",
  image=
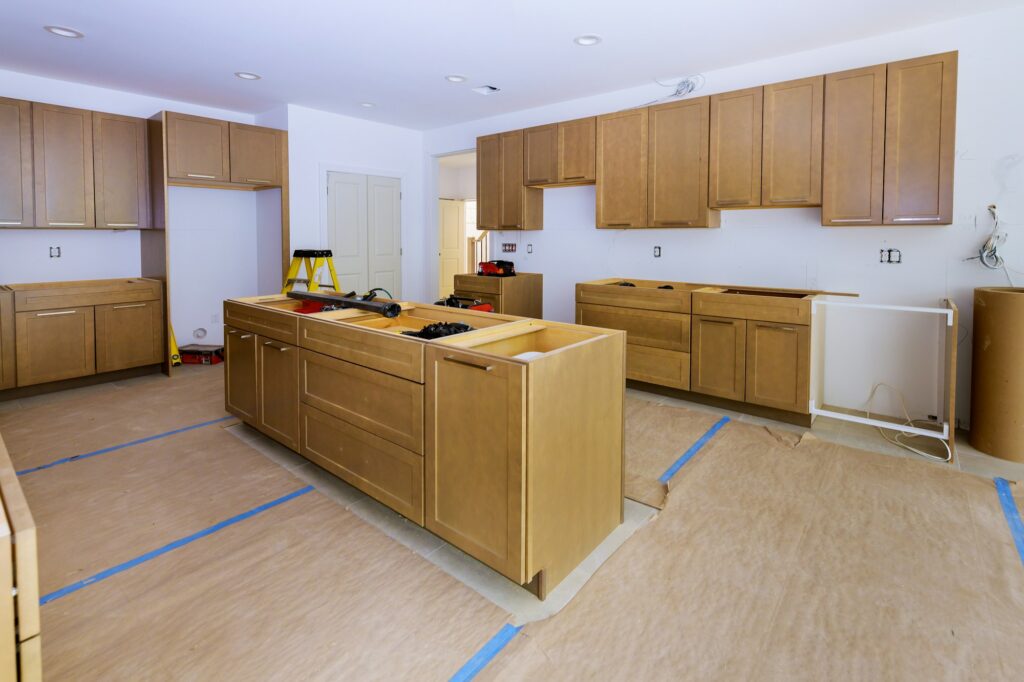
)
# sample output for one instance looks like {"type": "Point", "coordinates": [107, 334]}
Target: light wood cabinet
{"type": "Point", "coordinates": [488, 182]}
{"type": "Point", "coordinates": [129, 335]}
{"type": "Point", "coordinates": [541, 154]}
{"type": "Point", "coordinates": [121, 171]}
{"type": "Point", "coordinates": [7, 355]}
{"type": "Point", "coordinates": [735, 149]}
{"type": "Point", "coordinates": [853, 147]}
{"type": "Point", "coordinates": [277, 381]}
{"type": "Point", "coordinates": [718, 356]}
{"type": "Point", "coordinates": [503, 200]}
{"type": "Point", "coordinates": [522, 295]}
{"type": "Point", "coordinates": [197, 148]}
{"type": "Point", "coordinates": [255, 157]}
{"type": "Point", "coordinates": [63, 158]}
{"type": "Point", "coordinates": [577, 151]}
{"type": "Point", "coordinates": [791, 153]}
{"type": "Point", "coordinates": [678, 162]}
{"type": "Point", "coordinates": [778, 365]}
{"type": "Point", "coordinates": [652, 328]}
{"type": "Point", "coordinates": [622, 147]}
{"type": "Point", "coordinates": [16, 177]}
{"type": "Point", "coordinates": [55, 344]}
{"type": "Point", "coordinates": [241, 388]}
{"type": "Point", "coordinates": [920, 123]}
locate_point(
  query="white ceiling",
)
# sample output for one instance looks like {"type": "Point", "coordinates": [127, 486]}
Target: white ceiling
{"type": "Point", "coordinates": [334, 54]}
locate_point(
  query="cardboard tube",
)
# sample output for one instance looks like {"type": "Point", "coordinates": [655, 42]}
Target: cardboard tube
{"type": "Point", "coordinates": [997, 381]}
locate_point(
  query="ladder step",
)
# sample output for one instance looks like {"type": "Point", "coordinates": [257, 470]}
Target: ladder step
{"type": "Point", "coordinates": [298, 280]}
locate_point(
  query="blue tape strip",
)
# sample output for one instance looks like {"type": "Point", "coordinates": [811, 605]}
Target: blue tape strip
{"type": "Point", "coordinates": [96, 453]}
{"type": "Point", "coordinates": [688, 455]}
{"type": "Point", "coordinates": [120, 568]}
{"type": "Point", "coordinates": [486, 654]}
{"type": "Point", "coordinates": [1012, 514]}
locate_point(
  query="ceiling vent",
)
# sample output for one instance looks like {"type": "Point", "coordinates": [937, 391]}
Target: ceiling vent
{"type": "Point", "coordinates": [486, 90]}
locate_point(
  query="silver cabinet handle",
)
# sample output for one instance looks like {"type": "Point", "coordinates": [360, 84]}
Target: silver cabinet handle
{"type": "Point", "coordinates": [10, 222]}
{"type": "Point", "coordinates": [850, 220]}
{"type": "Point", "coordinates": [271, 344]}
{"type": "Point", "coordinates": [244, 336]}
{"type": "Point", "coordinates": [266, 182]}
{"type": "Point", "coordinates": [929, 218]}
{"type": "Point", "coordinates": [670, 223]}
{"type": "Point", "coordinates": [58, 312]}
{"type": "Point", "coordinates": [774, 326]}
{"type": "Point", "coordinates": [122, 224]}
{"type": "Point", "coordinates": [130, 305]}
{"type": "Point", "coordinates": [620, 224]}
{"type": "Point", "coordinates": [574, 177]}
{"type": "Point", "coordinates": [53, 224]}
{"type": "Point", "coordinates": [200, 175]}
{"type": "Point", "coordinates": [466, 363]}
{"type": "Point", "coordinates": [730, 202]}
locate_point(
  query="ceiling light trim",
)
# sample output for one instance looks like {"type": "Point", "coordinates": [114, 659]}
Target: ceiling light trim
{"type": "Point", "coordinates": [588, 40]}
{"type": "Point", "coordinates": [64, 32]}
{"type": "Point", "coordinates": [248, 75]}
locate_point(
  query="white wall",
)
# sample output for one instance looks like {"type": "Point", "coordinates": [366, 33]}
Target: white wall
{"type": "Point", "coordinates": [788, 247]}
{"type": "Point", "coordinates": [457, 183]}
{"type": "Point", "coordinates": [319, 141]}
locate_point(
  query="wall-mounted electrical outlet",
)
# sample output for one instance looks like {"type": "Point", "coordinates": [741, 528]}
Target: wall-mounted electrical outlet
{"type": "Point", "coordinates": [507, 247]}
{"type": "Point", "coordinates": [54, 252]}
{"type": "Point", "coordinates": [894, 256]}
{"type": "Point", "coordinates": [529, 248]}
{"type": "Point", "coordinates": [657, 252]}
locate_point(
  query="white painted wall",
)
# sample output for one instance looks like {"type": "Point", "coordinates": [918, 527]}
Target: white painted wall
{"type": "Point", "coordinates": [788, 247]}
{"type": "Point", "coordinates": [457, 183]}
{"type": "Point", "coordinates": [319, 141]}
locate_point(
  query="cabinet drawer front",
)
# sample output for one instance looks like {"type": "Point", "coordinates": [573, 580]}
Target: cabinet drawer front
{"type": "Point", "coordinates": [55, 344]}
{"type": "Point", "coordinates": [796, 310]}
{"type": "Point", "coordinates": [484, 285]}
{"type": "Point", "coordinates": [644, 298]}
{"type": "Point", "coordinates": [278, 382]}
{"type": "Point", "coordinates": [658, 366]}
{"type": "Point", "coordinates": [98, 293]}
{"type": "Point", "coordinates": [384, 405]}
{"type": "Point", "coordinates": [273, 324]}
{"type": "Point", "coordinates": [643, 327]}
{"type": "Point", "coordinates": [386, 472]}
{"type": "Point", "coordinates": [129, 335]}
{"type": "Point", "coordinates": [778, 366]}
{"type": "Point", "coordinates": [397, 355]}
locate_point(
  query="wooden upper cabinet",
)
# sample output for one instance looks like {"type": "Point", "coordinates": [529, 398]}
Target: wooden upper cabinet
{"type": "Point", "coordinates": [854, 147]}
{"type": "Point", "coordinates": [197, 148]}
{"type": "Point", "coordinates": [920, 122]}
{"type": "Point", "coordinates": [678, 162]}
{"type": "Point", "coordinates": [488, 182]}
{"type": "Point", "coordinates": [622, 169]}
{"type": "Point", "coordinates": [503, 201]}
{"type": "Point", "coordinates": [735, 149]}
{"type": "Point", "coordinates": [63, 157]}
{"type": "Point", "coordinates": [540, 155]}
{"type": "Point", "coordinates": [577, 151]}
{"type": "Point", "coordinates": [791, 152]}
{"type": "Point", "coordinates": [121, 171]}
{"type": "Point", "coordinates": [16, 163]}
{"type": "Point", "coordinates": [255, 154]}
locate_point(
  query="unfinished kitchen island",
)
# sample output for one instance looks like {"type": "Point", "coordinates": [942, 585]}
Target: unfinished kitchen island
{"type": "Point", "coordinates": [506, 440]}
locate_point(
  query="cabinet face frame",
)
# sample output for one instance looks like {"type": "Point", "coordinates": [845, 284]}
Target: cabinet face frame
{"type": "Point", "coordinates": [122, 180]}
{"type": "Point", "coordinates": [780, 369]}
{"type": "Point", "coordinates": [920, 125]}
{"type": "Point", "coordinates": [178, 139]}
{"type": "Point", "coordinates": [241, 384]}
{"type": "Point", "coordinates": [705, 371]}
{"type": "Point", "coordinates": [65, 193]}
{"type": "Point", "coordinates": [853, 156]}
{"type": "Point", "coordinates": [734, 179]}
{"type": "Point", "coordinates": [622, 167]}
{"type": "Point", "coordinates": [791, 146]}
{"type": "Point", "coordinates": [16, 157]}
{"type": "Point", "coordinates": [677, 191]}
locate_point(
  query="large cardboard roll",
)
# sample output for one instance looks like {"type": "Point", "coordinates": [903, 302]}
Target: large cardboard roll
{"type": "Point", "coordinates": [997, 385]}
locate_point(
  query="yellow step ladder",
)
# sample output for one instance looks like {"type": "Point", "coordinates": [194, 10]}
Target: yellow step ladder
{"type": "Point", "coordinates": [314, 260]}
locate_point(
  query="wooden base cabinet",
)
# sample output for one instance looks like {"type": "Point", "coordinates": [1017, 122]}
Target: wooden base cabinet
{"type": "Point", "coordinates": [522, 295]}
{"type": "Point", "coordinates": [719, 357]}
{"type": "Point", "coordinates": [129, 335]}
{"type": "Point", "coordinates": [241, 393]}
{"type": "Point", "coordinates": [277, 380]}
{"type": "Point", "coordinates": [55, 344]}
{"type": "Point", "coordinates": [778, 365]}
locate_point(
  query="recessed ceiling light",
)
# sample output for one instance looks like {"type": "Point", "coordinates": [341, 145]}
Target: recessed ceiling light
{"type": "Point", "coordinates": [455, 78]}
{"type": "Point", "coordinates": [247, 76]}
{"type": "Point", "coordinates": [587, 40]}
{"type": "Point", "coordinates": [367, 105]}
{"type": "Point", "coordinates": [64, 32]}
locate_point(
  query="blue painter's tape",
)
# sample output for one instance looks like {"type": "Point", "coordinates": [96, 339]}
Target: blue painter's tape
{"type": "Point", "coordinates": [140, 441]}
{"type": "Point", "coordinates": [486, 654]}
{"type": "Point", "coordinates": [688, 455]}
{"type": "Point", "coordinates": [120, 568]}
{"type": "Point", "coordinates": [1012, 514]}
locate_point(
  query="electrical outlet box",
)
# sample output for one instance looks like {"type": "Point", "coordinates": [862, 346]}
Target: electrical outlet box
{"type": "Point", "coordinates": [657, 252]}
{"type": "Point", "coordinates": [887, 256]}
{"type": "Point", "coordinates": [507, 247]}
{"type": "Point", "coordinates": [529, 248]}
{"type": "Point", "coordinates": [54, 252]}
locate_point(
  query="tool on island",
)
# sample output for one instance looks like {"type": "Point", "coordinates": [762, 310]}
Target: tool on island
{"type": "Point", "coordinates": [336, 301]}
{"type": "Point", "coordinates": [496, 268]}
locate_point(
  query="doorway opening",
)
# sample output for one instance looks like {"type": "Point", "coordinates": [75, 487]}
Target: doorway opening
{"type": "Point", "coordinates": [460, 245]}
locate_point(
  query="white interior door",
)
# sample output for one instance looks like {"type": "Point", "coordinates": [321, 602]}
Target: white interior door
{"type": "Point", "coordinates": [346, 229]}
{"type": "Point", "coordinates": [384, 230]}
{"type": "Point", "coordinates": [452, 241]}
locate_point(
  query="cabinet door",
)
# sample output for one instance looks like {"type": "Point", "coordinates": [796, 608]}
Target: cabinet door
{"type": "Point", "coordinates": [476, 408]}
{"type": "Point", "coordinates": [778, 365]}
{"type": "Point", "coordinates": [541, 155]}
{"type": "Point", "coordinates": [511, 180]}
{"type": "Point", "coordinates": [791, 161]}
{"type": "Point", "coordinates": [622, 169]}
{"type": "Point", "coordinates": [735, 149]}
{"type": "Point", "coordinates": [62, 140]}
{"type": "Point", "coordinates": [854, 147]}
{"type": "Point", "coordinates": [278, 381]}
{"type": "Point", "coordinates": [488, 182]}
{"type": "Point", "coordinates": [255, 154]}
{"type": "Point", "coordinates": [16, 163]}
{"type": "Point", "coordinates": [678, 181]}
{"type": "Point", "coordinates": [718, 356]}
{"type": "Point", "coordinates": [54, 345]}
{"type": "Point", "coordinates": [7, 366]}
{"type": "Point", "coordinates": [577, 150]}
{"type": "Point", "coordinates": [241, 395]}
{"type": "Point", "coordinates": [121, 170]}
{"type": "Point", "coordinates": [129, 335]}
{"type": "Point", "coordinates": [920, 123]}
{"type": "Point", "coordinates": [197, 148]}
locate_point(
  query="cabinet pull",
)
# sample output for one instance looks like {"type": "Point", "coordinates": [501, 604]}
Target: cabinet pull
{"type": "Point", "coordinates": [669, 223]}
{"type": "Point", "coordinates": [620, 224]}
{"type": "Point", "coordinates": [920, 218]}
{"type": "Point", "coordinates": [130, 305]}
{"type": "Point", "coordinates": [730, 202]}
{"type": "Point", "coordinates": [486, 368]}
{"type": "Point", "coordinates": [10, 222]}
{"type": "Point", "coordinates": [574, 177]}
{"type": "Point", "coordinates": [271, 344]}
{"type": "Point", "coordinates": [245, 336]}
{"type": "Point", "coordinates": [201, 176]}
{"type": "Point", "coordinates": [122, 225]}
{"type": "Point", "coordinates": [53, 224]}
{"type": "Point", "coordinates": [850, 220]}
{"type": "Point", "coordinates": [775, 326]}
{"type": "Point", "coordinates": [516, 225]}
{"type": "Point", "coordinates": [265, 182]}
{"type": "Point", "coordinates": [705, 320]}
{"type": "Point", "coordinates": [59, 312]}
